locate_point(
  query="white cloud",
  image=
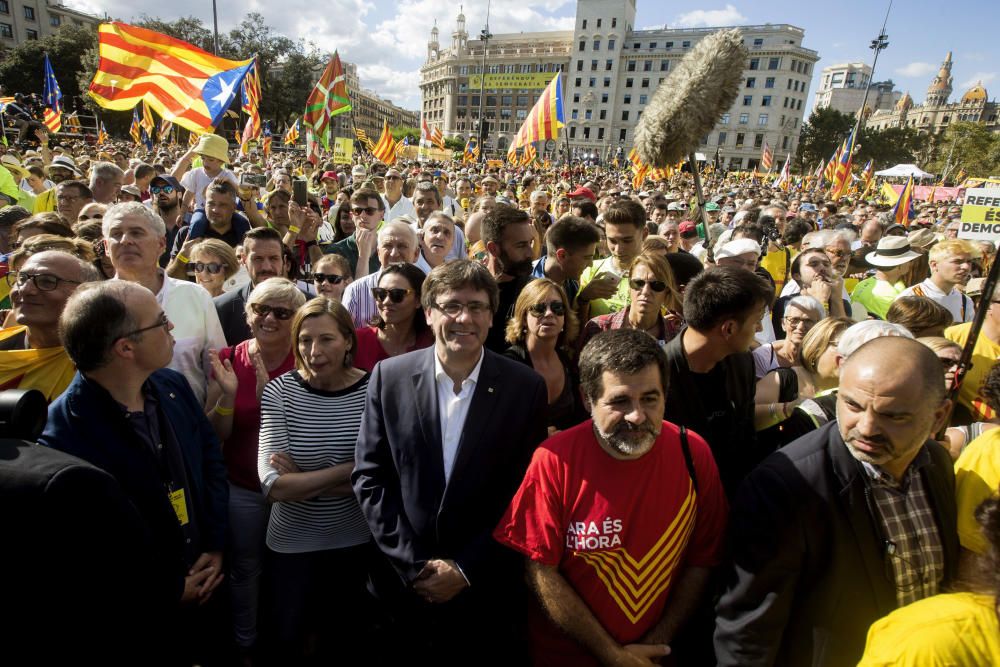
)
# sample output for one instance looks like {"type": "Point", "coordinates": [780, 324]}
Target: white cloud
{"type": "Point", "coordinates": [979, 77]}
{"type": "Point", "coordinates": [709, 18]}
{"type": "Point", "coordinates": [916, 69]}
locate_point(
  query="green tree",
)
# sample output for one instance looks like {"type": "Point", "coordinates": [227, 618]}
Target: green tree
{"type": "Point", "coordinates": [969, 146]}
{"type": "Point", "coordinates": [821, 134]}
{"type": "Point", "coordinates": [893, 145]}
{"type": "Point", "coordinates": [405, 131]}
{"type": "Point", "coordinates": [454, 143]}
{"type": "Point", "coordinates": [22, 69]}
{"type": "Point", "coordinates": [189, 29]}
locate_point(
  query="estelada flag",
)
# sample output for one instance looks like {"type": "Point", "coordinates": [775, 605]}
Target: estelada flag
{"type": "Point", "coordinates": [182, 83]}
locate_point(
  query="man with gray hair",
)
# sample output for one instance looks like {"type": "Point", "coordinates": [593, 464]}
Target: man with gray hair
{"type": "Point", "coordinates": [847, 523]}
{"type": "Point", "coordinates": [397, 244]}
{"type": "Point", "coordinates": [135, 238]}
{"type": "Point", "coordinates": [106, 182]}
{"type": "Point", "coordinates": [427, 200]}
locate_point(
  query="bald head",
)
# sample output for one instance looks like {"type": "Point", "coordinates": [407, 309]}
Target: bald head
{"type": "Point", "coordinates": [897, 362]}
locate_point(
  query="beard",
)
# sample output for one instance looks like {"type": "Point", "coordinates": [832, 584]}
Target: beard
{"type": "Point", "coordinates": [886, 452]}
{"type": "Point", "coordinates": [516, 269]}
{"type": "Point", "coordinates": [629, 439]}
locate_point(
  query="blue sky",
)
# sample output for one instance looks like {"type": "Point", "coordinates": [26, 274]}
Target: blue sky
{"type": "Point", "coordinates": [387, 40]}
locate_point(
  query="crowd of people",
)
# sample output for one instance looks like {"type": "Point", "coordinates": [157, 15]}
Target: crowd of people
{"type": "Point", "coordinates": [307, 413]}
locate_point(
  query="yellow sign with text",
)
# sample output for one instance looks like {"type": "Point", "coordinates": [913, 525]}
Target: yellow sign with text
{"type": "Point", "coordinates": [343, 150]}
{"type": "Point", "coordinates": [531, 81]}
{"type": "Point", "coordinates": [980, 215]}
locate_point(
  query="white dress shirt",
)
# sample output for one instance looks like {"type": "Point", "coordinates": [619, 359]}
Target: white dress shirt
{"type": "Point", "coordinates": [953, 300]}
{"type": "Point", "coordinates": [402, 207]}
{"type": "Point", "coordinates": [453, 409]}
{"type": "Point", "coordinates": [358, 299]}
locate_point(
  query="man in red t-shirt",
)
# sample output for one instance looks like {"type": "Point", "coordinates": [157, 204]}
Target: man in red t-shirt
{"type": "Point", "coordinates": [621, 518]}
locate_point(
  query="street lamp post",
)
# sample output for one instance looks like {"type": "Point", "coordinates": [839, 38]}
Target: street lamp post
{"type": "Point", "coordinates": [877, 45]}
{"type": "Point", "coordinates": [485, 36]}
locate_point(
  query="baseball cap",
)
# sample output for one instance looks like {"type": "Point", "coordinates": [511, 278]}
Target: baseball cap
{"type": "Point", "coordinates": [687, 229]}
{"type": "Point", "coordinates": [711, 206]}
{"type": "Point", "coordinates": [806, 206]}
{"type": "Point", "coordinates": [737, 248]}
{"type": "Point", "coordinates": [329, 176]}
{"type": "Point", "coordinates": [583, 193]}
{"type": "Point", "coordinates": [167, 179]}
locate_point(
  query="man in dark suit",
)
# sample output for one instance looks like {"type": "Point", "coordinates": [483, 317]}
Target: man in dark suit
{"type": "Point", "coordinates": [127, 414]}
{"type": "Point", "coordinates": [263, 258]}
{"type": "Point", "coordinates": [845, 524]}
{"type": "Point", "coordinates": [447, 435]}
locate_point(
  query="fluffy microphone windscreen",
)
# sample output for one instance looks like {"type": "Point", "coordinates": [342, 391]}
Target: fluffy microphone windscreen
{"type": "Point", "coordinates": [691, 99]}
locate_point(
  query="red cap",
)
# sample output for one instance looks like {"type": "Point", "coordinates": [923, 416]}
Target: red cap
{"type": "Point", "coordinates": [687, 227]}
{"type": "Point", "coordinates": [582, 192]}
{"type": "Point", "coordinates": [332, 175]}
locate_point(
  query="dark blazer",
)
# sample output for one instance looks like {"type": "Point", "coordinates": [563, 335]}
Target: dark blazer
{"type": "Point", "coordinates": [810, 572]}
{"type": "Point", "coordinates": [231, 308]}
{"type": "Point", "coordinates": [87, 423]}
{"type": "Point", "coordinates": [73, 545]}
{"type": "Point", "coordinates": [399, 471]}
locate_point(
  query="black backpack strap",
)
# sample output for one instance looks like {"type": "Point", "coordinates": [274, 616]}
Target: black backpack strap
{"type": "Point", "coordinates": [688, 461]}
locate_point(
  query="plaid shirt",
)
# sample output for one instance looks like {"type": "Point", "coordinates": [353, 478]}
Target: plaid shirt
{"type": "Point", "coordinates": [914, 547]}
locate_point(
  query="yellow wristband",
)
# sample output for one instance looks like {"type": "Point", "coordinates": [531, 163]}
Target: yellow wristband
{"type": "Point", "coordinates": [182, 259]}
{"type": "Point", "coordinates": [293, 229]}
{"type": "Point", "coordinates": [225, 412]}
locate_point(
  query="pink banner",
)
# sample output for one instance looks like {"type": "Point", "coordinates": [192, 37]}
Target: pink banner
{"type": "Point", "coordinates": [922, 192]}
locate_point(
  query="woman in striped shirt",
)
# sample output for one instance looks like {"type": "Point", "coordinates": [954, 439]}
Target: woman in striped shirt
{"type": "Point", "coordinates": [318, 541]}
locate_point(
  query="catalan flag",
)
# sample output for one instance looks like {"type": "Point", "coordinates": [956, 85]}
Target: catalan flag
{"type": "Point", "coordinates": [265, 145]}
{"type": "Point", "coordinates": [831, 167]}
{"type": "Point", "coordinates": [182, 83]}
{"type": "Point", "coordinates": [437, 138]}
{"type": "Point", "coordinates": [328, 98]}
{"type": "Point", "coordinates": [385, 149]}
{"type": "Point", "coordinates": [867, 177]}
{"type": "Point", "coordinates": [164, 131]}
{"type": "Point", "coordinates": [902, 212]}
{"type": "Point", "coordinates": [291, 134]}
{"type": "Point", "coordinates": [529, 156]}
{"type": "Point", "coordinates": [767, 158]}
{"type": "Point", "coordinates": [52, 120]}
{"type": "Point", "coordinates": [135, 130]}
{"type": "Point", "coordinates": [471, 152]}
{"type": "Point", "coordinates": [545, 118]}
{"type": "Point", "coordinates": [102, 134]}
{"type": "Point", "coordinates": [251, 105]}
{"type": "Point", "coordinates": [53, 95]}
{"type": "Point", "coordinates": [192, 139]}
{"type": "Point", "coordinates": [842, 175]}
{"type": "Point", "coordinates": [146, 122]}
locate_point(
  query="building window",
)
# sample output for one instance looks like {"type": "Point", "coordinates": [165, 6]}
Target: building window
{"type": "Point", "coordinates": [627, 99]}
{"type": "Point", "coordinates": [611, 45]}
{"type": "Point", "coordinates": [586, 133]}
{"type": "Point", "coordinates": [463, 100]}
{"type": "Point", "coordinates": [584, 24]}
{"type": "Point", "coordinates": [5, 7]}
{"type": "Point", "coordinates": [603, 115]}
{"type": "Point", "coordinates": [578, 82]}
{"type": "Point", "coordinates": [798, 107]}
{"type": "Point", "coordinates": [754, 62]}
{"type": "Point", "coordinates": [593, 81]}
{"type": "Point", "coordinates": [769, 82]}
{"type": "Point", "coordinates": [773, 63]}
{"type": "Point", "coordinates": [647, 66]}
{"type": "Point", "coordinates": [491, 100]}
{"type": "Point", "coordinates": [685, 45]}
{"type": "Point", "coordinates": [751, 82]}
{"type": "Point", "coordinates": [598, 23]}
{"type": "Point", "coordinates": [31, 34]}
{"type": "Point", "coordinates": [604, 98]}
{"type": "Point", "coordinates": [765, 101]}
{"type": "Point", "coordinates": [664, 65]}
{"type": "Point", "coordinates": [625, 115]}
{"type": "Point", "coordinates": [608, 64]}
{"type": "Point", "coordinates": [758, 141]}
{"type": "Point", "coordinates": [645, 83]}
{"type": "Point", "coordinates": [583, 45]}
{"type": "Point", "coordinates": [758, 42]}
{"type": "Point", "coordinates": [724, 120]}
{"type": "Point", "coordinates": [579, 65]}
{"type": "Point", "coordinates": [784, 143]}
{"type": "Point", "coordinates": [643, 99]}
{"type": "Point", "coordinates": [597, 45]}
{"type": "Point", "coordinates": [628, 83]}
{"type": "Point", "coordinates": [576, 98]}
{"type": "Point", "coordinates": [29, 13]}
{"type": "Point", "coordinates": [747, 100]}
{"type": "Point", "coordinates": [739, 139]}
{"type": "Point", "coordinates": [574, 114]}
{"type": "Point", "coordinates": [474, 101]}
{"type": "Point", "coordinates": [668, 45]}
{"type": "Point", "coordinates": [762, 119]}
{"type": "Point", "coordinates": [630, 66]}
{"type": "Point", "coordinates": [506, 100]}
{"type": "Point", "coordinates": [622, 134]}
{"type": "Point", "coordinates": [600, 133]}
{"type": "Point", "coordinates": [722, 138]}
{"type": "Point", "coordinates": [521, 114]}
{"type": "Point", "coordinates": [572, 132]}
{"type": "Point", "coordinates": [593, 65]}
{"type": "Point", "coordinates": [607, 82]}
{"type": "Point", "coordinates": [614, 22]}
{"type": "Point", "coordinates": [744, 118]}
{"type": "Point", "coordinates": [587, 114]}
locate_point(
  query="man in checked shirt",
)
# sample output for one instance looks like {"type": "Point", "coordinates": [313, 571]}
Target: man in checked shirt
{"type": "Point", "coordinates": [847, 523]}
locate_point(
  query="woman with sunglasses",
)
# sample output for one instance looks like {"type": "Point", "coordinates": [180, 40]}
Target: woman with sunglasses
{"type": "Point", "coordinates": [212, 263]}
{"type": "Point", "coordinates": [331, 274]}
{"type": "Point", "coordinates": [319, 544]}
{"type": "Point", "coordinates": [399, 326]}
{"type": "Point", "coordinates": [540, 334]}
{"type": "Point", "coordinates": [653, 303]}
{"type": "Point", "coordinates": [239, 374]}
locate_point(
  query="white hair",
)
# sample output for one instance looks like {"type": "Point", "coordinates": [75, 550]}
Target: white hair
{"type": "Point", "coordinates": [398, 226]}
{"type": "Point", "coordinates": [118, 212]}
{"type": "Point", "coordinates": [858, 334]}
{"type": "Point", "coordinates": [807, 304]}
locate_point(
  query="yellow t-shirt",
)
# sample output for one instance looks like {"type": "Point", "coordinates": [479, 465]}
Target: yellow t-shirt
{"type": "Point", "coordinates": [984, 355]}
{"type": "Point", "coordinates": [977, 476]}
{"type": "Point", "coordinates": [778, 263]}
{"type": "Point", "coordinates": [618, 300]}
{"type": "Point", "coordinates": [955, 629]}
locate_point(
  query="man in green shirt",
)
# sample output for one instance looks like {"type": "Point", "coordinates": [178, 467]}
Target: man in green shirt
{"type": "Point", "coordinates": [891, 261]}
{"type": "Point", "coordinates": [625, 230]}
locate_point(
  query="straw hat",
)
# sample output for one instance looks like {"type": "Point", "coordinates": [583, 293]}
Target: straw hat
{"type": "Point", "coordinates": [891, 251]}
{"type": "Point", "coordinates": [13, 165]}
{"type": "Point", "coordinates": [212, 145]}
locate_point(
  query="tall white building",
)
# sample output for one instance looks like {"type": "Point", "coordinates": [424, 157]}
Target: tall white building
{"type": "Point", "coordinates": [842, 87]}
{"type": "Point", "coordinates": [610, 72]}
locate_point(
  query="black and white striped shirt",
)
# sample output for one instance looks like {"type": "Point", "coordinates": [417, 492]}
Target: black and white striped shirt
{"type": "Point", "coordinates": [318, 429]}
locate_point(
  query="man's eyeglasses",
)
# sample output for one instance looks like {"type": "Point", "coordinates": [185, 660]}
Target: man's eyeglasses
{"type": "Point", "coordinates": [539, 309]}
{"type": "Point", "coordinates": [393, 178]}
{"type": "Point", "coordinates": [395, 294]}
{"type": "Point", "coordinates": [794, 322]}
{"type": "Point", "coordinates": [638, 284]}
{"type": "Point", "coordinates": [161, 322]}
{"type": "Point", "coordinates": [369, 210]}
{"type": "Point", "coordinates": [211, 267]}
{"type": "Point", "coordinates": [94, 216]}
{"type": "Point", "coordinates": [279, 313]}
{"type": "Point", "coordinates": [454, 308]}
{"type": "Point", "coordinates": [157, 189]}
{"type": "Point", "coordinates": [45, 282]}
{"type": "Point", "coordinates": [332, 278]}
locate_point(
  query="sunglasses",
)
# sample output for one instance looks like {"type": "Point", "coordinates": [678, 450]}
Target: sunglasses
{"type": "Point", "coordinates": [370, 210]}
{"type": "Point", "coordinates": [211, 267]}
{"type": "Point", "coordinates": [638, 284]}
{"type": "Point", "coordinates": [331, 278]}
{"type": "Point", "coordinates": [165, 189]}
{"type": "Point", "coordinates": [395, 294]}
{"type": "Point", "coordinates": [264, 310]}
{"type": "Point", "coordinates": [539, 309]}
{"type": "Point", "coordinates": [95, 216]}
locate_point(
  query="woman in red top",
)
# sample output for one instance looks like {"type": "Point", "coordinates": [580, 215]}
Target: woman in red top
{"type": "Point", "coordinates": [399, 326]}
{"type": "Point", "coordinates": [233, 406]}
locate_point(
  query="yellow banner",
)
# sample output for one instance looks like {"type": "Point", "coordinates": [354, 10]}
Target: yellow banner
{"type": "Point", "coordinates": [980, 215]}
{"type": "Point", "coordinates": [532, 81]}
{"type": "Point", "coordinates": [343, 150]}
